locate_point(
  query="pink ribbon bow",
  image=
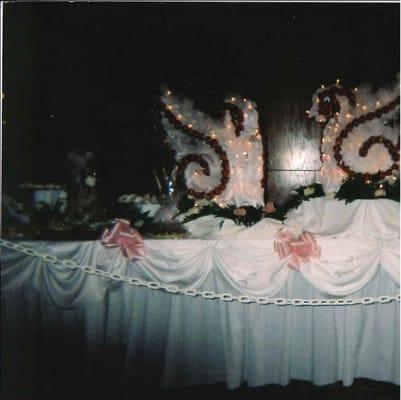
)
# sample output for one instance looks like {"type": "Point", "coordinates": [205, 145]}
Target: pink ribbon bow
{"type": "Point", "coordinates": [298, 250]}
{"type": "Point", "coordinates": [128, 239]}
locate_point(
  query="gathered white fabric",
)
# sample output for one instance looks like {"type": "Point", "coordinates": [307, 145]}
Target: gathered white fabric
{"type": "Point", "coordinates": [196, 341]}
{"type": "Point", "coordinates": [353, 249]}
{"type": "Point", "coordinates": [59, 322]}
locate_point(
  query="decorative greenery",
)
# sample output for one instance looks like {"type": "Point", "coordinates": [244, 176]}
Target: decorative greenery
{"type": "Point", "coordinates": [138, 219]}
{"type": "Point", "coordinates": [356, 188]}
{"type": "Point", "coordinates": [296, 197]}
{"type": "Point", "coordinates": [185, 203]}
{"type": "Point", "coordinates": [50, 223]}
{"type": "Point", "coordinates": [246, 215]}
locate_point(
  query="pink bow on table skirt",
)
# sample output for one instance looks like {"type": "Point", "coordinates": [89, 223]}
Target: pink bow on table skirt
{"type": "Point", "coordinates": [128, 239]}
{"type": "Point", "coordinates": [298, 250]}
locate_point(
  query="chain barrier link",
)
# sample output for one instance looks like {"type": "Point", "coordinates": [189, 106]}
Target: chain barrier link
{"type": "Point", "coordinates": [206, 294]}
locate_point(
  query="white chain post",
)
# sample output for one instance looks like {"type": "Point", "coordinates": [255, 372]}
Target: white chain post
{"type": "Point", "coordinates": [207, 294]}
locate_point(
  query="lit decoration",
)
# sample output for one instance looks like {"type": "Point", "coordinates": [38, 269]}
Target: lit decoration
{"type": "Point", "coordinates": [357, 139]}
{"type": "Point", "coordinates": [221, 161]}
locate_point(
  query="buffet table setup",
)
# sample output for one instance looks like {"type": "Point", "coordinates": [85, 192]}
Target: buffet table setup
{"type": "Point", "coordinates": [222, 306]}
{"type": "Point", "coordinates": [216, 285]}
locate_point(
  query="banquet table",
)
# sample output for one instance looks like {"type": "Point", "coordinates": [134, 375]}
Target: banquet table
{"type": "Point", "coordinates": [220, 306]}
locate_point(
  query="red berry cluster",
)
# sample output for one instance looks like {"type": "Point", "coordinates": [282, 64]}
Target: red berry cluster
{"type": "Point", "coordinates": [237, 117]}
{"type": "Point", "coordinates": [363, 151]}
{"type": "Point", "coordinates": [214, 144]}
{"type": "Point", "coordinates": [194, 158]}
{"type": "Point", "coordinates": [328, 103]}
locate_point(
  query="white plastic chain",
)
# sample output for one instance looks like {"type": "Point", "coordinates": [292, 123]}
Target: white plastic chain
{"type": "Point", "coordinates": [206, 294]}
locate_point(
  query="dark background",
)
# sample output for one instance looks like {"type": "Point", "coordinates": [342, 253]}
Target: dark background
{"type": "Point", "coordinates": [87, 75]}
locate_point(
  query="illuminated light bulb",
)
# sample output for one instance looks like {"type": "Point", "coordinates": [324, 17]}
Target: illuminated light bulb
{"type": "Point", "coordinates": [179, 116]}
{"type": "Point", "coordinates": [233, 99]}
{"type": "Point", "coordinates": [245, 153]}
{"type": "Point", "coordinates": [357, 104]}
{"type": "Point", "coordinates": [356, 89]}
{"type": "Point", "coordinates": [196, 173]}
{"type": "Point", "coordinates": [348, 115]}
{"type": "Point", "coordinates": [337, 113]}
{"type": "Point", "coordinates": [170, 107]}
{"type": "Point", "coordinates": [381, 186]}
{"type": "Point", "coordinates": [322, 86]}
{"type": "Point", "coordinates": [307, 112]}
{"type": "Point", "coordinates": [189, 125]}
{"type": "Point", "coordinates": [244, 100]}
{"type": "Point", "coordinates": [317, 100]}
{"type": "Point", "coordinates": [337, 81]}
{"type": "Point", "coordinates": [168, 92]}
{"type": "Point", "coordinates": [378, 103]}
{"type": "Point", "coordinates": [323, 140]}
{"type": "Point", "coordinates": [363, 108]}
{"type": "Point", "coordinates": [249, 107]}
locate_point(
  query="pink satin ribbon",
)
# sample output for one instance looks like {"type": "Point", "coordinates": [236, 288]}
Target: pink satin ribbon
{"type": "Point", "coordinates": [297, 250]}
{"type": "Point", "coordinates": [128, 239]}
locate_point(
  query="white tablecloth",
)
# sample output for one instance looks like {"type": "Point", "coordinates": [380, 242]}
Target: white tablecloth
{"type": "Point", "coordinates": [132, 333]}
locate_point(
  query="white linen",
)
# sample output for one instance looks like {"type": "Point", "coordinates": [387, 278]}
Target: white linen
{"type": "Point", "coordinates": [131, 338]}
{"type": "Point", "coordinates": [198, 341]}
{"type": "Point", "coordinates": [245, 257]}
{"type": "Point", "coordinates": [378, 218]}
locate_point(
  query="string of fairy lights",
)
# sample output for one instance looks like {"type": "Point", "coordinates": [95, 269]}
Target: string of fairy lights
{"type": "Point", "coordinates": [363, 150]}
{"type": "Point", "coordinates": [329, 109]}
{"type": "Point", "coordinates": [230, 165]}
{"type": "Point", "coordinates": [339, 110]}
{"type": "Point", "coordinates": [211, 141]}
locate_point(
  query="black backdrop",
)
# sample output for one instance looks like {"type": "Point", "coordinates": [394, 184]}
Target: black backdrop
{"type": "Point", "coordinates": [87, 75]}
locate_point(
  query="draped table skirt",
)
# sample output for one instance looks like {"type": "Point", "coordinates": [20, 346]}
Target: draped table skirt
{"type": "Point", "coordinates": [64, 330]}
